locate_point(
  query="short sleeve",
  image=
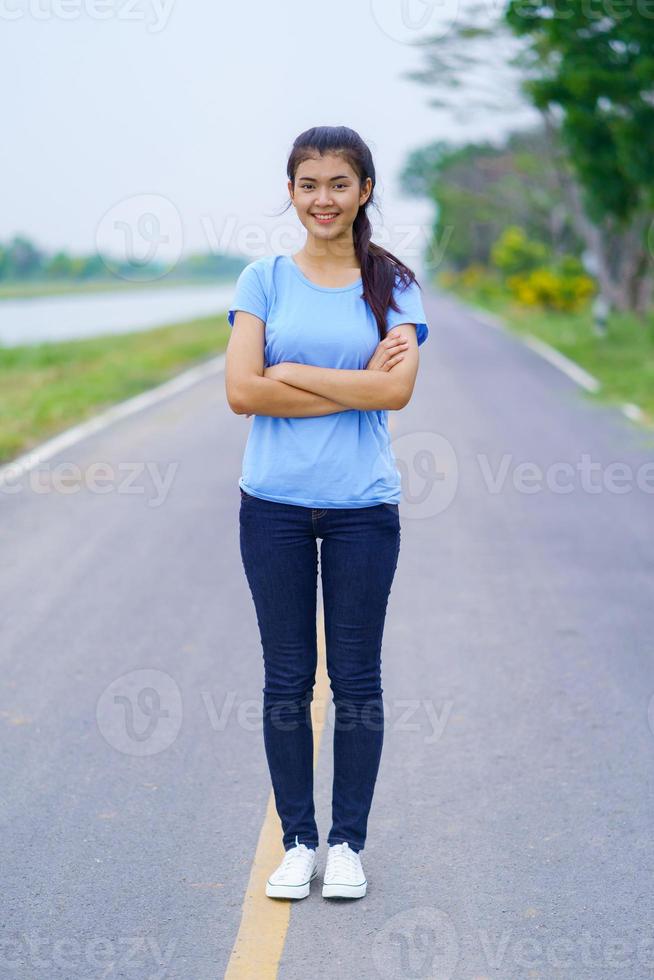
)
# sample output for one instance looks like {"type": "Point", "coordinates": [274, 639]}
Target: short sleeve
{"type": "Point", "coordinates": [249, 294]}
{"type": "Point", "coordinates": [409, 299]}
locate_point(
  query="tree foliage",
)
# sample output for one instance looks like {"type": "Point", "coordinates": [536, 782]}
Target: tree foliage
{"type": "Point", "coordinates": [590, 70]}
{"type": "Point", "coordinates": [479, 189]}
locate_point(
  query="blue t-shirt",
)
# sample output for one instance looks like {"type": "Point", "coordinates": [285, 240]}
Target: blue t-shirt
{"type": "Point", "coordinates": [339, 460]}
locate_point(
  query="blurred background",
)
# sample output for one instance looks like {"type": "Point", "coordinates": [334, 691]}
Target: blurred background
{"type": "Point", "coordinates": [144, 165]}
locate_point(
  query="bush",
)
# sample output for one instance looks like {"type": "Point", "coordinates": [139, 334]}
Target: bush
{"type": "Point", "coordinates": [514, 253]}
{"type": "Point", "coordinates": [566, 287]}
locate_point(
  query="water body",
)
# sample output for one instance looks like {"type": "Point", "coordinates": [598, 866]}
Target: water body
{"type": "Point", "coordinates": [47, 318]}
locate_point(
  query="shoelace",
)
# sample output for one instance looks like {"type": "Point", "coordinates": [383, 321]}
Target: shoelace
{"type": "Point", "coordinates": [344, 862]}
{"type": "Point", "coordinates": [299, 854]}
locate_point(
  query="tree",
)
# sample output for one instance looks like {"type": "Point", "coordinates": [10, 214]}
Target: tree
{"type": "Point", "coordinates": [479, 189]}
{"type": "Point", "coordinates": [591, 79]}
{"type": "Point", "coordinates": [591, 73]}
{"type": "Point", "coordinates": [60, 266]}
{"type": "Point", "coordinates": [24, 260]}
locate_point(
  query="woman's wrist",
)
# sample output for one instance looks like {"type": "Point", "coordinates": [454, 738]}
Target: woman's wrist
{"type": "Point", "coordinates": [279, 372]}
{"type": "Point", "coordinates": [273, 371]}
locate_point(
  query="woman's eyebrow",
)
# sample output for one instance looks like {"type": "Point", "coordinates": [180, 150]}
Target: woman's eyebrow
{"type": "Point", "coordinates": [340, 177]}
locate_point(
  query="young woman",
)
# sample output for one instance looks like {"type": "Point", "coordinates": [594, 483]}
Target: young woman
{"type": "Point", "coordinates": [324, 343]}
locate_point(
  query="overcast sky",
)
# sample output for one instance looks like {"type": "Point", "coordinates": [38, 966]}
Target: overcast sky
{"type": "Point", "coordinates": [186, 110]}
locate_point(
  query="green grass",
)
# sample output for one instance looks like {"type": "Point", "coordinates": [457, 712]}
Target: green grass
{"type": "Point", "coordinates": [45, 388]}
{"type": "Point", "coordinates": [29, 290]}
{"type": "Point", "coordinates": [623, 361]}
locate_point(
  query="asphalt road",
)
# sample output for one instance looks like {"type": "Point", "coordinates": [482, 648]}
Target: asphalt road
{"type": "Point", "coordinates": [511, 831]}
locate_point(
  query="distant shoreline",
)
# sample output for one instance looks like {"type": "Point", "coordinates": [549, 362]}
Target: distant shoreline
{"type": "Point", "coordinates": [45, 388]}
{"type": "Point", "coordinates": [38, 289]}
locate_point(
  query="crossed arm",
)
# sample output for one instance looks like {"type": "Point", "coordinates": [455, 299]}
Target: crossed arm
{"type": "Point", "coordinates": [296, 390]}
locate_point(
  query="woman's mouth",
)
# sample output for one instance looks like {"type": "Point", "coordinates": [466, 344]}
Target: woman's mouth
{"type": "Point", "coordinates": [325, 219]}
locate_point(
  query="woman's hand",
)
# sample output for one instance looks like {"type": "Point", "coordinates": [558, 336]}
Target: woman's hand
{"type": "Point", "coordinates": [273, 371]}
{"type": "Point", "coordinates": [389, 351]}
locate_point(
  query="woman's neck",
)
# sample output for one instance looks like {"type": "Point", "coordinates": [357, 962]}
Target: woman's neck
{"type": "Point", "coordinates": [336, 256]}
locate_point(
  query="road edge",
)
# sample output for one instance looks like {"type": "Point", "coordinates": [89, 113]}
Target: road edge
{"type": "Point", "coordinates": [45, 450]}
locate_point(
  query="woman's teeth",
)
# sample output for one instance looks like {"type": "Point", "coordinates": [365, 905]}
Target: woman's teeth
{"type": "Point", "coordinates": [324, 219]}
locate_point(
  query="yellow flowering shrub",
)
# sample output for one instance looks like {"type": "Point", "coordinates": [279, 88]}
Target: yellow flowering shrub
{"type": "Point", "coordinates": [514, 252]}
{"type": "Point", "coordinates": [551, 288]}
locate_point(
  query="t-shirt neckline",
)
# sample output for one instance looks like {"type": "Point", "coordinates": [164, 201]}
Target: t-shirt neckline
{"type": "Point", "coordinates": [322, 289]}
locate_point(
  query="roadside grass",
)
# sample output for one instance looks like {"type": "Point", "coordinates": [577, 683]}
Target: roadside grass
{"type": "Point", "coordinates": [48, 387]}
{"type": "Point", "coordinates": [32, 290]}
{"type": "Point", "coordinates": [622, 361]}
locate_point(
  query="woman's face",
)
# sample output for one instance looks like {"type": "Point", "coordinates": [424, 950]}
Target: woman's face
{"type": "Point", "coordinates": [327, 185]}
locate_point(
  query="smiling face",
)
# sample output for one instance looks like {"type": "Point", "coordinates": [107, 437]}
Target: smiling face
{"type": "Point", "coordinates": [327, 196]}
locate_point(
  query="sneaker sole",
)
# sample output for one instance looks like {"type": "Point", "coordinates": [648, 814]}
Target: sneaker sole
{"type": "Point", "coordinates": [290, 891]}
{"type": "Point", "coordinates": [344, 891]}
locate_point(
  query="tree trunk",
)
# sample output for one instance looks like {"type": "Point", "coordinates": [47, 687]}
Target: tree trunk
{"type": "Point", "coordinates": [621, 252]}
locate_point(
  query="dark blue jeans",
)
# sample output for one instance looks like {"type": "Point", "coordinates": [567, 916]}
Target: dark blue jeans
{"type": "Point", "coordinates": [358, 557]}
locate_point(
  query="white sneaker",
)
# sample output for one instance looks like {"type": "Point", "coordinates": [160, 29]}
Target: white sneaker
{"type": "Point", "coordinates": [293, 877]}
{"type": "Point", "coordinates": [344, 877]}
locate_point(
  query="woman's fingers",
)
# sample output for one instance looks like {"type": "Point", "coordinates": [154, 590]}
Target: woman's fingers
{"type": "Point", "coordinates": [393, 360]}
{"type": "Point", "coordinates": [394, 346]}
{"type": "Point", "coordinates": [387, 348]}
{"type": "Point", "coordinates": [400, 347]}
{"type": "Point", "coordinates": [390, 342]}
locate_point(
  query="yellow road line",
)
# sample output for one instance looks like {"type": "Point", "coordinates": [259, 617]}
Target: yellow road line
{"type": "Point", "coordinates": [264, 921]}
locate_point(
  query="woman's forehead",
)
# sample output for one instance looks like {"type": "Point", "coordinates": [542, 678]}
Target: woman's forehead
{"type": "Point", "coordinates": [325, 167]}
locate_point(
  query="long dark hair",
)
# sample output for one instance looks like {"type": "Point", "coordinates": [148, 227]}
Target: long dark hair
{"type": "Point", "coordinates": [379, 267]}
